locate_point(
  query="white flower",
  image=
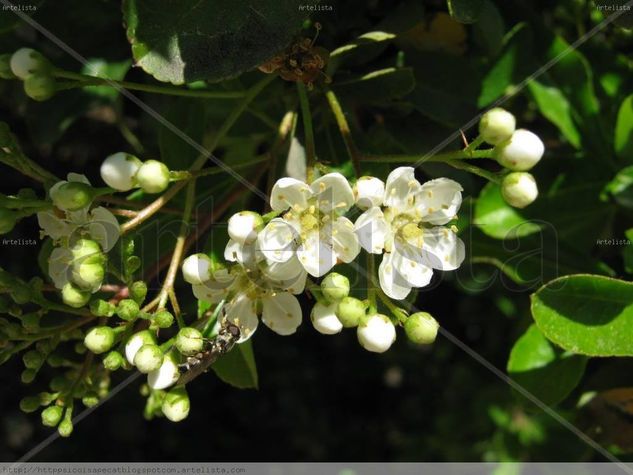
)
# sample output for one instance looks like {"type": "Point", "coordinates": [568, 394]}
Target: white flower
{"type": "Point", "coordinates": [166, 375]}
{"type": "Point", "coordinates": [369, 191]}
{"type": "Point", "coordinates": [408, 228]}
{"type": "Point", "coordinates": [376, 333]}
{"type": "Point", "coordinates": [521, 151]}
{"type": "Point", "coordinates": [519, 189]}
{"type": "Point", "coordinates": [313, 227]}
{"type": "Point", "coordinates": [118, 171]}
{"type": "Point", "coordinates": [136, 341]}
{"type": "Point", "coordinates": [324, 318]}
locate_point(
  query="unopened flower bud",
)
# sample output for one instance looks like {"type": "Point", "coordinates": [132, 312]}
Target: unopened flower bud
{"type": "Point", "coordinates": [119, 170]}
{"type": "Point", "coordinates": [163, 319]}
{"type": "Point", "coordinates": [127, 310]}
{"type": "Point", "coordinates": [88, 276]}
{"type": "Point", "coordinates": [176, 404]}
{"type": "Point", "coordinates": [52, 415]}
{"type": "Point", "coordinates": [72, 196]}
{"type": "Point", "coordinates": [368, 192]}
{"type": "Point", "coordinates": [521, 151]}
{"type": "Point", "coordinates": [28, 375]}
{"type": "Point", "coordinates": [73, 296]}
{"type": "Point", "coordinates": [99, 339]}
{"type": "Point", "coordinates": [244, 226]}
{"type": "Point", "coordinates": [5, 67]}
{"type": "Point", "coordinates": [324, 319]}
{"type": "Point", "coordinates": [113, 361]}
{"type": "Point", "coordinates": [497, 125]}
{"type": "Point", "coordinates": [519, 189]}
{"type": "Point", "coordinates": [40, 87]}
{"type": "Point", "coordinates": [101, 308]}
{"type": "Point", "coordinates": [376, 333]}
{"type": "Point", "coordinates": [189, 341]}
{"type": "Point", "coordinates": [136, 341]}
{"type": "Point", "coordinates": [421, 328]}
{"type": "Point", "coordinates": [166, 375]}
{"type": "Point", "coordinates": [91, 399]}
{"type": "Point", "coordinates": [30, 404]}
{"type": "Point", "coordinates": [153, 176]}
{"type": "Point", "coordinates": [335, 287]}
{"type": "Point", "coordinates": [148, 358]}
{"type": "Point", "coordinates": [65, 427]}
{"type": "Point", "coordinates": [27, 61]}
{"type": "Point", "coordinates": [8, 218]}
{"type": "Point", "coordinates": [33, 359]}
{"type": "Point", "coordinates": [196, 269]}
{"type": "Point", "coordinates": [138, 291]}
{"type": "Point", "coordinates": [87, 251]}
{"type": "Point", "coordinates": [349, 311]}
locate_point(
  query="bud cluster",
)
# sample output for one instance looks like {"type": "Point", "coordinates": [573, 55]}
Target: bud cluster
{"type": "Point", "coordinates": [33, 69]}
{"type": "Point", "coordinates": [123, 171]}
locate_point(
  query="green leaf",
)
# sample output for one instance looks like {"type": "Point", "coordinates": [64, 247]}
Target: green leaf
{"type": "Point", "coordinates": [99, 67]}
{"type": "Point", "coordinates": [363, 48]}
{"type": "Point", "coordinates": [544, 370]}
{"type": "Point", "coordinates": [238, 367]}
{"type": "Point", "coordinates": [465, 11]}
{"type": "Point", "coordinates": [621, 187]}
{"type": "Point", "coordinates": [556, 108]}
{"type": "Point", "coordinates": [488, 31]}
{"type": "Point", "coordinates": [624, 130]}
{"type": "Point", "coordinates": [627, 252]}
{"type": "Point", "coordinates": [586, 314]}
{"type": "Point", "coordinates": [378, 86]}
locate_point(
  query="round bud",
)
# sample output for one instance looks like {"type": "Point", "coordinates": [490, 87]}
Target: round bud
{"type": "Point", "coordinates": [136, 341]}
{"type": "Point", "coordinates": [99, 339]}
{"type": "Point", "coordinates": [189, 341]}
{"type": "Point", "coordinates": [376, 333]}
{"type": "Point", "coordinates": [52, 415]}
{"type": "Point", "coordinates": [244, 226]}
{"type": "Point", "coordinates": [73, 296]}
{"type": "Point", "coordinates": [127, 310]}
{"type": "Point", "coordinates": [88, 276]}
{"type": "Point", "coordinates": [163, 319]}
{"type": "Point", "coordinates": [40, 87]}
{"type": "Point", "coordinates": [90, 400]}
{"type": "Point", "coordinates": [5, 67]}
{"type": "Point", "coordinates": [33, 359]}
{"type": "Point", "coordinates": [166, 375]}
{"type": "Point", "coordinates": [72, 196]}
{"type": "Point", "coordinates": [421, 328]}
{"type": "Point", "coordinates": [196, 269]}
{"type": "Point", "coordinates": [349, 311]}
{"type": "Point", "coordinates": [519, 189]}
{"type": "Point", "coordinates": [335, 287]}
{"type": "Point", "coordinates": [118, 171]}
{"type": "Point", "coordinates": [28, 375]}
{"type": "Point", "coordinates": [324, 319]}
{"type": "Point", "coordinates": [153, 176]}
{"type": "Point", "coordinates": [101, 308]}
{"type": "Point", "coordinates": [8, 218]}
{"type": "Point", "coordinates": [30, 404]}
{"type": "Point", "coordinates": [521, 151]}
{"type": "Point", "coordinates": [369, 191]}
{"type": "Point", "coordinates": [27, 61]}
{"type": "Point", "coordinates": [497, 125]}
{"type": "Point", "coordinates": [138, 291]}
{"type": "Point", "coordinates": [176, 404]}
{"type": "Point", "coordinates": [113, 361]}
{"type": "Point", "coordinates": [148, 358]}
{"type": "Point", "coordinates": [87, 251]}
{"type": "Point", "coordinates": [65, 427]}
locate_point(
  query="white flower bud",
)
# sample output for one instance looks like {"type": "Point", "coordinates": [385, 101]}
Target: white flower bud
{"type": "Point", "coordinates": [335, 287]}
{"type": "Point", "coordinates": [153, 176]}
{"type": "Point", "coordinates": [349, 311]}
{"type": "Point", "coordinates": [40, 87]}
{"type": "Point", "coordinates": [99, 339]}
{"type": "Point", "coordinates": [176, 404]}
{"type": "Point", "coordinates": [368, 192]}
{"type": "Point", "coordinates": [421, 328]}
{"type": "Point", "coordinates": [497, 125]}
{"type": "Point", "coordinates": [521, 151]}
{"type": "Point", "coordinates": [27, 61]}
{"type": "Point", "coordinates": [244, 226]}
{"type": "Point", "coordinates": [148, 358]}
{"type": "Point", "coordinates": [166, 375]}
{"type": "Point", "coordinates": [196, 269]}
{"type": "Point", "coordinates": [324, 319]}
{"type": "Point", "coordinates": [118, 171]}
{"type": "Point", "coordinates": [189, 341]}
{"type": "Point", "coordinates": [519, 189]}
{"type": "Point", "coordinates": [136, 341]}
{"type": "Point", "coordinates": [376, 333]}
{"type": "Point", "coordinates": [72, 195]}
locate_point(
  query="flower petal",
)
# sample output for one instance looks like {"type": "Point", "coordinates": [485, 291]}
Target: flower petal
{"type": "Point", "coordinates": [439, 200]}
{"type": "Point", "coordinates": [407, 262]}
{"type": "Point", "coordinates": [315, 255]}
{"type": "Point", "coordinates": [369, 191]}
{"type": "Point", "coordinates": [211, 291]}
{"type": "Point", "coordinates": [289, 275]}
{"type": "Point", "coordinates": [277, 241]}
{"type": "Point", "coordinates": [289, 193]}
{"type": "Point", "coordinates": [442, 249]}
{"type": "Point", "coordinates": [324, 318]}
{"type": "Point", "coordinates": [244, 254]}
{"type": "Point", "coordinates": [333, 193]}
{"type": "Point", "coordinates": [281, 313]}
{"type": "Point", "coordinates": [400, 189]}
{"type": "Point", "coordinates": [391, 282]}
{"type": "Point", "coordinates": [77, 177]}
{"type": "Point", "coordinates": [372, 229]}
{"type": "Point", "coordinates": [60, 266]}
{"type": "Point", "coordinates": [344, 240]}
{"type": "Point", "coordinates": [241, 312]}
{"type": "Point", "coordinates": [104, 228]}
{"type": "Point", "coordinates": [53, 226]}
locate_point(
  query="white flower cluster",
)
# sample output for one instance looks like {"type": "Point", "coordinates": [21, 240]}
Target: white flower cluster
{"type": "Point", "coordinates": [123, 172]}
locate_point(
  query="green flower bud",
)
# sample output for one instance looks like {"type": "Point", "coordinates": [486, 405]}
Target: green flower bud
{"type": "Point", "coordinates": [176, 404]}
{"type": "Point", "coordinates": [5, 67]}
{"type": "Point", "coordinates": [65, 427]}
{"type": "Point", "coordinates": [27, 61]}
{"type": "Point", "coordinates": [497, 125]}
{"type": "Point", "coordinates": [31, 322]}
{"type": "Point", "coordinates": [189, 341]}
{"type": "Point", "coordinates": [148, 358]}
{"type": "Point", "coordinates": [55, 360]}
{"type": "Point", "coordinates": [73, 296]}
{"type": "Point", "coordinates": [52, 415]}
{"type": "Point", "coordinates": [127, 310]}
{"type": "Point", "coordinates": [88, 276]}
{"type": "Point", "coordinates": [519, 189]}
{"type": "Point", "coordinates": [87, 251]}
{"type": "Point", "coordinates": [349, 311]}
{"type": "Point", "coordinates": [113, 361]}
{"type": "Point", "coordinates": [60, 383]}
{"type": "Point", "coordinates": [33, 359]}
{"type": "Point", "coordinates": [138, 291]}
{"type": "Point", "coordinates": [91, 399]}
{"type": "Point", "coordinates": [421, 328]}
{"type": "Point", "coordinates": [40, 87]}
{"type": "Point", "coordinates": [335, 287]}
{"type": "Point", "coordinates": [99, 339]}
{"type": "Point", "coordinates": [8, 218]}
{"type": "Point", "coordinates": [30, 404]}
{"type": "Point", "coordinates": [153, 176]}
{"type": "Point", "coordinates": [136, 341]}
{"type": "Point", "coordinates": [21, 294]}
{"type": "Point", "coordinates": [72, 196]}
{"type": "Point", "coordinates": [163, 319]}
{"type": "Point", "coordinates": [28, 375]}
{"type": "Point", "coordinates": [101, 308]}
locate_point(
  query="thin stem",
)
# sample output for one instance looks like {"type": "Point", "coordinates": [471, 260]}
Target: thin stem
{"type": "Point", "coordinates": [472, 146]}
{"type": "Point", "coordinates": [307, 130]}
{"type": "Point", "coordinates": [346, 133]}
{"type": "Point", "coordinates": [371, 284]}
{"type": "Point", "coordinates": [394, 309]}
{"type": "Point", "coordinates": [475, 170]}
{"type": "Point", "coordinates": [439, 157]}
{"type": "Point", "coordinates": [84, 80]}
{"type": "Point", "coordinates": [187, 175]}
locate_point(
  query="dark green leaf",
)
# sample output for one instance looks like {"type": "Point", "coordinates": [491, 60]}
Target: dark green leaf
{"type": "Point", "coordinates": [238, 367]}
{"type": "Point", "coordinates": [624, 130]}
{"type": "Point", "coordinates": [621, 187]}
{"type": "Point", "coordinates": [465, 11]}
{"type": "Point", "coordinates": [378, 86]}
{"type": "Point", "coordinates": [488, 31]}
{"type": "Point", "coordinates": [627, 251]}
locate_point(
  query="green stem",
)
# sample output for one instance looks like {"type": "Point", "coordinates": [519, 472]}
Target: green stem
{"type": "Point", "coordinates": [439, 157]}
{"type": "Point", "coordinates": [86, 80]}
{"type": "Point", "coordinates": [393, 308]}
{"type": "Point", "coordinates": [475, 170]}
{"type": "Point", "coordinates": [307, 130]}
{"type": "Point", "coordinates": [179, 175]}
{"type": "Point", "coordinates": [472, 146]}
{"type": "Point", "coordinates": [346, 133]}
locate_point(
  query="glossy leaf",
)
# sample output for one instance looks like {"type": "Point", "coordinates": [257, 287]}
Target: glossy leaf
{"type": "Point", "coordinates": [624, 130]}
{"type": "Point", "coordinates": [238, 367]}
{"type": "Point", "coordinates": [621, 187]}
{"type": "Point", "coordinates": [556, 108]}
{"type": "Point", "coordinates": [465, 11]}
